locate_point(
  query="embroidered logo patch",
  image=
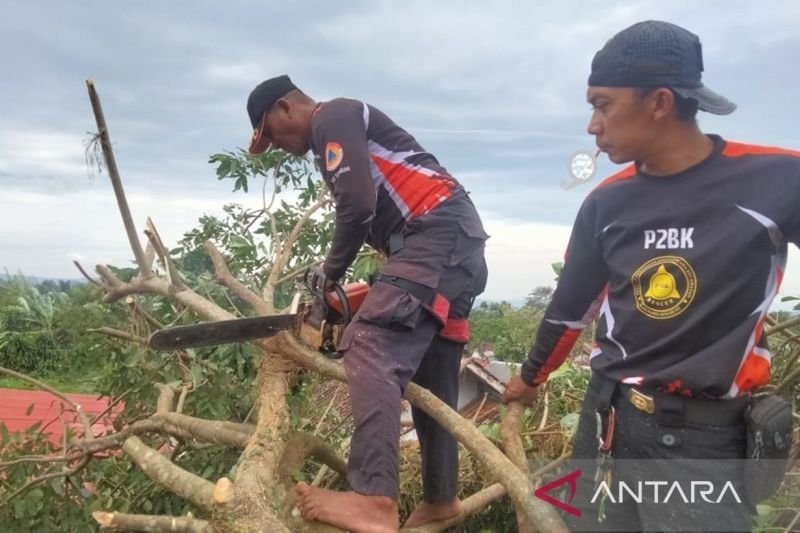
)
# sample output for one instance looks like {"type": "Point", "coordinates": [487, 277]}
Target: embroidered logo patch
{"type": "Point", "coordinates": [333, 156]}
{"type": "Point", "coordinates": [664, 286]}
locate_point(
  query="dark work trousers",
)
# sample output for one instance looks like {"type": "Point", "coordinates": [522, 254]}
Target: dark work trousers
{"type": "Point", "coordinates": [393, 339]}
{"type": "Point", "coordinates": [647, 449]}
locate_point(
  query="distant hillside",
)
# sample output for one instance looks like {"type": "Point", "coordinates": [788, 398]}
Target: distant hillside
{"type": "Point", "coordinates": [36, 280]}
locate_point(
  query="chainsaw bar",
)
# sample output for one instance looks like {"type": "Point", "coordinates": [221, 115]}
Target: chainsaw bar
{"type": "Point", "coordinates": [221, 332]}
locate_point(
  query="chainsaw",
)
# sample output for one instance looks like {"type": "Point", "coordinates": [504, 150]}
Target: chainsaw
{"type": "Point", "coordinates": [319, 323]}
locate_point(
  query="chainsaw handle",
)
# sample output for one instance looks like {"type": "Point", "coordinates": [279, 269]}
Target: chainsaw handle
{"type": "Point", "coordinates": [346, 314]}
{"type": "Point", "coordinates": [315, 281]}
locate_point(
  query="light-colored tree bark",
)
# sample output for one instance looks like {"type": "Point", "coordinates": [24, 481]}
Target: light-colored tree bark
{"type": "Point", "coordinates": [261, 496]}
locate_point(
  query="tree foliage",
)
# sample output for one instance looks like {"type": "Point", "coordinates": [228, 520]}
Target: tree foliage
{"type": "Point", "coordinates": [263, 396]}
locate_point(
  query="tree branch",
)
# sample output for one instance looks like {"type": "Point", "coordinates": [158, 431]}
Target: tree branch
{"type": "Point", "coordinates": [475, 503]}
{"type": "Point", "coordinates": [136, 307]}
{"type": "Point", "coordinates": [510, 429]}
{"type": "Point", "coordinates": [65, 472]}
{"type": "Point", "coordinates": [113, 173]}
{"type": "Point", "coordinates": [283, 251]}
{"type": "Point", "coordinates": [786, 324]}
{"type": "Point", "coordinates": [36, 459]}
{"type": "Point", "coordinates": [182, 398]}
{"type": "Point", "coordinates": [149, 255]}
{"type": "Point", "coordinates": [173, 276]}
{"type": "Point", "coordinates": [166, 399]}
{"type": "Point", "coordinates": [286, 248]}
{"type": "Point", "coordinates": [164, 472]}
{"type": "Point", "coordinates": [140, 522]}
{"type": "Point", "coordinates": [299, 270]}
{"type": "Point", "coordinates": [225, 278]}
{"type": "Point", "coordinates": [471, 505]}
{"type": "Point", "coordinates": [154, 285]}
{"type": "Point", "coordinates": [299, 447]}
{"type": "Point", "coordinates": [176, 425]}
{"type": "Point", "coordinates": [538, 512]}
{"type": "Point", "coordinates": [124, 335]}
{"type": "Point", "coordinates": [86, 275]}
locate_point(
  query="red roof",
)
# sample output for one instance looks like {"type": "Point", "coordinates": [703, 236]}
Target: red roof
{"type": "Point", "coordinates": [47, 408]}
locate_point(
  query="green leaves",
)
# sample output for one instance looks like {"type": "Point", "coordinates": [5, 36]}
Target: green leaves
{"type": "Point", "coordinates": [241, 167]}
{"type": "Point", "coordinates": [792, 299]}
{"type": "Point", "coordinates": [557, 268]}
{"type": "Point", "coordinates": [504, 329]}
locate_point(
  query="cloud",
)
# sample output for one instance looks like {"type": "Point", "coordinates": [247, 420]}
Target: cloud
{"type": "Point", "coordinates": [496, 91]}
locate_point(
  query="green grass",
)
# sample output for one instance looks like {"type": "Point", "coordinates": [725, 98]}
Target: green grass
{"type": "Point", "coordinates": [78, 382]}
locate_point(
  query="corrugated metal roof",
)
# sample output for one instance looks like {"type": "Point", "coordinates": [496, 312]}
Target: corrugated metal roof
{"type": "Point", "coordinates": [47, 409]}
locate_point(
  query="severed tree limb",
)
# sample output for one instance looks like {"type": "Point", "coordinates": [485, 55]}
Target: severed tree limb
{"type": "Point", "coordinates": [323, 471]}
{"type": "Point", "coordinates": [471, 504]}
{"type": "Point", "coordinates": [86, 274]}
{"type": "Point", "coordinates": [118, 289]}
{"type": "Point", "coordinates": [510, 429]}
{"type": "Point", "coordinates": [476, 502]}
{"type": "Point", "coordinates": [255, 496]}
{"type": "Point", "coordinates": [113, 173]}
{"type": "Point", "coordinates": [786, 324]}
{"type": "Point", "coordinates": [111, 406]}
{"type": "Point", "coordinates": [166, 398]}
{"type": "Point", "coordinates": [283, 251]}
{"type": "Point", "coordinates": [225, 278]}
{"type": "Point", "coordinates": [788, 380]}
{"type": "Point", "coordinates": [136, 307]}
{"type": "Point", "coordinates": [288, 243]}
{"type": "Point", "coordinates": [124, 335]}
{"type": "Point", "coordinates": [164, 472]}
{"type": "Point", "coordinates": [546, 410]}
{"type": "Point", "coordinates": [480, 407]}
{"type": "Point", "coordinates": [176, 425]}
{"type": "Point", "coordinates": [182, 398]}
{"type": "Point", "coordinates": [538, 512]}
{"type": "Point", "coordinates": [150, 523]}
{"type": "Point", "coordinates": [35, 459]}
{"type": "Point", "coordinates": [149, 255]}
{"type": "Point", "coordinates": [173, 276]}
{"type": "Point", "coordinates": [115, 288]}
{"type": "Point", "coordinates": [299, 447]}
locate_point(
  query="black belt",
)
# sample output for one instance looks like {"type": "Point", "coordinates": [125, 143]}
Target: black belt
{"type": "Point", "coordinates": [424, 293]}
{"type": "Point", "coordinates": [675, 410]}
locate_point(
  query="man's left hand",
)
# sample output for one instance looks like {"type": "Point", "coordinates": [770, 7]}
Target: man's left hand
{"type": "Point", "coordinates": [325, 284]}
{"type": "Point", "coordinates": [516, 389]}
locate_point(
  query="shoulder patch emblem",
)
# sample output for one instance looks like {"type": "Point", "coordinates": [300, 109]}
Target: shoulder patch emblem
{"type": "Point", "coordinates": [333, 156]}
{"type": "Point", "coordinates": [664, 287]}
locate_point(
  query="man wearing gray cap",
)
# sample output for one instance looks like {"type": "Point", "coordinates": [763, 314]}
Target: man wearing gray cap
{"type": "Point", "coordinates": [678, 256]}
{"type": "Point", "coordinates": [393, 195]}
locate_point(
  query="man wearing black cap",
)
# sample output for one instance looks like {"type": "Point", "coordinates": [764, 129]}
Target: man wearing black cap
{"type": "Point", "coordinates": [396, 197]}
{"type": "Point", "coordinates": [678, 256]}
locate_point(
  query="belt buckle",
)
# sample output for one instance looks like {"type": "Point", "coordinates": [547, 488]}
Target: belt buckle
{"type": "Point", "coordinates": [641, 401]}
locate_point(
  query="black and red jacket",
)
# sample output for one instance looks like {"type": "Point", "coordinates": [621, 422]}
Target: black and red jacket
{"type": "Point", "coordinates": [381, 178]}
{"type": "Point", "coordinates": [680, 271]}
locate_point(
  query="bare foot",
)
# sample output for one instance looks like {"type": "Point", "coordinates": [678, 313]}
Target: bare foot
{"type": "Point", "coordinates": [428, 512]}
{"type": "Point", "coordinates": [351, 511]}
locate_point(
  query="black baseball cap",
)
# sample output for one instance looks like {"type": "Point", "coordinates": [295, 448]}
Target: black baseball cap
{"type": "Point", "coordinates": [657, 54]}
{"type": "Point", "coordinates": [259, 103]}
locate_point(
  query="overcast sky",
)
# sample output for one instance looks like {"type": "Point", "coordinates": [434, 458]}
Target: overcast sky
{"type": "Point", "coordinates": [496, 90]}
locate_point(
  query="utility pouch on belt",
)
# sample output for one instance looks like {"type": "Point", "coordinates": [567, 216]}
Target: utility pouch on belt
{"type": "Point", "coordinates": [431, 300]}
{"type": "Point", "coordinates": [769, 441]}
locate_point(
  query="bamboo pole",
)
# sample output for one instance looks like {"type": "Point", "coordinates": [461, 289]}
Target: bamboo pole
{"type": "Point", "coordinates": [113, 173]}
